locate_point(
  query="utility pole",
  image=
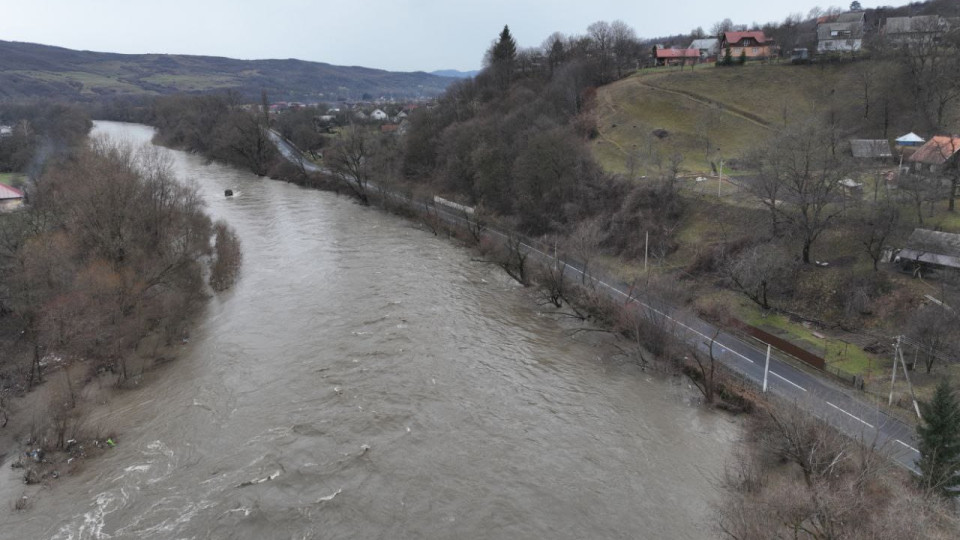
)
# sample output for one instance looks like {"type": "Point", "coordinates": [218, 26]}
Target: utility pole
{"type": "Point", "coordinates": [719, 178]}
{"type": "Point", "coordinates": [898, 356]}
{"type": "Point", "coordinates": [646, 251]}
{"type": "Point", "coordinates": [766, 369]}
{"type": "Point", "coordinates": [893, 377]}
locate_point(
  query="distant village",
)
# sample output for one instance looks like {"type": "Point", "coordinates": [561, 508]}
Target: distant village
{"type": "Point", "coordinates": [390, 115]}
{"type": "Point", "coordinates": [835, 37]}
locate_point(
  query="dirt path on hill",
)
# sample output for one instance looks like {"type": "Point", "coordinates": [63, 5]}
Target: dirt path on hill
{"type": "Point", "coordinates": [724, 107]}
{"type": "Point", "coordinates": [608, 108]}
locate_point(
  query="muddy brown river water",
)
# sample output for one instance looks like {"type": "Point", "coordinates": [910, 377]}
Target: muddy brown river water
{"type": "Point", "coordinates": [366, 379]}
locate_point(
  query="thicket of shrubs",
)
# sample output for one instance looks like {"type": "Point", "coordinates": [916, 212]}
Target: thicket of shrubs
{"type": "Point", "coordinates": [105, 264]}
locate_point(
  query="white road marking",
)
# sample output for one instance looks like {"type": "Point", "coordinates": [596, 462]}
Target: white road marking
{"type": "Point", "coordinates": [907, 445]}
{"type": "Point", "coordinates": [857, 418]}
{"type": "Point", "coordinates": [786, 380]}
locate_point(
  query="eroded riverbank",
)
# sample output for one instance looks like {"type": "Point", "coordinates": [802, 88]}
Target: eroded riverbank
{"type": "Point", "coordinates": [367, 379]}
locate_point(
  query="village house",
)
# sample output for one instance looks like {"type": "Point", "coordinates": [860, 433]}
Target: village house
{"type": "Point", "coordinates": [10, 198]}
{"type": "Point", "coordinates": [926, 249]}
{"type": "Point", "coordinates": [922, 28]}
{"type": "Point", "coordinates": [870, 148]}
{"type": "Point", "coordinates": [754, 44]}
{"type": "Point", "coordinates": [673, 57]}
{"type": "Point", "coordinates": [378, 115]}
{"type": "Point", "coordinates": [937, 155]}
{"type": "Point", "coordinates": [709, 48]}
{"type": "Point", "coordinates": [844, 34]}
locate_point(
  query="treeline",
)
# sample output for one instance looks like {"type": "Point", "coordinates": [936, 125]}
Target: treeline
{"type": "Point", "coordinates": [39, 130]}
{"type": "Point", "coordinates": [216, 126]}
{"type": "Point", "coordinates": [109, 250]}
{"type": "Point", "coordinates": [513, 141]}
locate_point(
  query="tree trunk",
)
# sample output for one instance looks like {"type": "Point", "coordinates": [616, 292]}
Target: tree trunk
{"type": "Point", "coordinates": [953, 192]}
{"type": "Point", "coordinates": [35, 368]}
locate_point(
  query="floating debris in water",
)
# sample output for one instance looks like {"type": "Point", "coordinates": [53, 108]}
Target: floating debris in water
{"type": "Point", "coordinates": [329, 497]}
{"type": "Point", "coordinates": [260, 480]}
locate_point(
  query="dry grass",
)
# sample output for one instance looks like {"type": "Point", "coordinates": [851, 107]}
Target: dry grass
{"type": "Point", "coordinates": [720, 111]}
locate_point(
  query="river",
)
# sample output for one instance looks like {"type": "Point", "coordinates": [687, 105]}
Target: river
{"type": "Point", "coordinates": [366, 379]}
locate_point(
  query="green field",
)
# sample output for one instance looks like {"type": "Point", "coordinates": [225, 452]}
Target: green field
{"type": "Point", "coordinates": [87, 83]}
{"type": "Point", "coordinates": [190, 83]}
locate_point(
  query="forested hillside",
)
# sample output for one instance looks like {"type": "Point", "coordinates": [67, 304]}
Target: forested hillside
{"type": "Point", "coordinates": [29, 70]}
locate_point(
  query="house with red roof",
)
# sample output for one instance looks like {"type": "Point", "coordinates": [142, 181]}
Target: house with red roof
{"type": "Point", "coordinates": [754, 43]}
{"type": "Point", "coordinates": [673, 57]}
{"type": "Point", "coordinates": [10, 198]}
{"type": "Point", "coordinates": [940, 153]}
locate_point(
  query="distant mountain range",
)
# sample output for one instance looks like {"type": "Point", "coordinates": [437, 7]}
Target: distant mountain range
{"type": "Point", "coordinates": [455, 74]}
{"type": "Point", "coordinates": [29, 70]}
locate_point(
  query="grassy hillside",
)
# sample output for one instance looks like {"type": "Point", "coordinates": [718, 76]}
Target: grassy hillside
{"type": "Point", "coordinates": [29, 70]}
{"type": "Point", "coordinates": [711, 113]}
{"type": "Point", "coordinates": [721, 112]}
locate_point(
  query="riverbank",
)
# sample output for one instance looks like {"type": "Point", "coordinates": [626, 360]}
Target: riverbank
{"type": "Point", "coordinates": [78, 402]}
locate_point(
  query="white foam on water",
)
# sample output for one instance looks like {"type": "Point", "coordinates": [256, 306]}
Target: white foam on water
{"type": "Point", "coordinates": [94, 521]}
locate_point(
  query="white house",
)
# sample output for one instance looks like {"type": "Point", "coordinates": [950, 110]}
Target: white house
{"type": "Point", "coordinates": [708, 47]}
{"type": "Point", "coordinates": [845, 34]}
{"type": "Point", "coordinates": [378, 115]}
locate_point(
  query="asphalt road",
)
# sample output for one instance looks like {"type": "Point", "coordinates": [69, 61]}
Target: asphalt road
{"type": "Point", "coordinates": [846, 409]}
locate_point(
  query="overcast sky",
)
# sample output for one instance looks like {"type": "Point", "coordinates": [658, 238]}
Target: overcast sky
{"type": "Point", "coordinates": [399, 35]}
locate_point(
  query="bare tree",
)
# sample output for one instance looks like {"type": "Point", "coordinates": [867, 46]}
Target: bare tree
{"type": "Point", "coordinates": [799, 177]}
{"type": "Point", "coordinates": [797, 477]}
{"type": "Point", "coordinates": [932, 327]}
{"type": "Point", "coordinates": [877, 225]}
{"type": "Point", "coordinates": [918, 188]}
{"type": "Point", "coordinates": [720, 27]}
{"type": "Point", "coordinates": [349, 160]}
{"type": "Point", "coordinates": [759, 272]}
{"type": "Point", "coordinates": [930, 57]}
{"type": "Point", "coordinates": [701, 368]}
{"type": "Point", "coordinates": [228, 257]}
{"type": "Point", "coordinates": [584, 243]}
{"type": "Point", "coordinates": [511, 255]}
{"type": "Point", "coordinates": [624, 45]}
{"type": "Point", "coordinates": [244, 135]}
{"type": "Point", "coordinates": [602, 37]}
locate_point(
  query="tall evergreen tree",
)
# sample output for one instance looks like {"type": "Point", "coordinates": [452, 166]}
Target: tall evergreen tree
{"type": "Point", "coordinates": [505, 51]}
{"type": "Point", "coordinates": [939, 441]}
{"type": "Point", "coordinates": [502, 57]}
